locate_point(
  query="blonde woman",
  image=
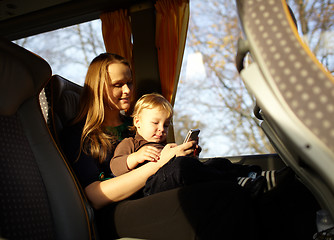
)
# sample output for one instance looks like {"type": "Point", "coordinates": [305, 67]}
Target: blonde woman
{"type": "Point", "coordinates": [100, 124]}
{"type": "Point", "coordinates": [89, 145]}
{"type": "Point", "coordinates": [210, 210]}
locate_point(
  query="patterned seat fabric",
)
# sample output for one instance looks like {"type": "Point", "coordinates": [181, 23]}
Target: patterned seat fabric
{"type": "Point", "coordinates": [24, 209]}
{"type": "Point", "coordinates": [39, 197]}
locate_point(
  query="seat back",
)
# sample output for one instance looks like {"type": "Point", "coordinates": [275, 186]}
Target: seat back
{"type": "Point", "coordinates": [39, 196]}
{"type": "Point", "coordinates": [63, 98]}
{"type": "Point", "coordinates": [294, 94]}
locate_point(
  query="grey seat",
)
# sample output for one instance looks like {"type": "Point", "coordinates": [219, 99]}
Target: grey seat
{"type": "Point", "coordinates": [63, 98]}
{"type": "Point", "coordinates": [39, 197]}
{"type": "Point", "coordinates": [294, 94]}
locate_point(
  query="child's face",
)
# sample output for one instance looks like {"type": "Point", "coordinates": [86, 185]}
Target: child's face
{"type": "Point", "coordinates": [152, 124]}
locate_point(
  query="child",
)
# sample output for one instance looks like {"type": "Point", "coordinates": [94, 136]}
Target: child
{"type": "Point", "coordinates": [152, 116]}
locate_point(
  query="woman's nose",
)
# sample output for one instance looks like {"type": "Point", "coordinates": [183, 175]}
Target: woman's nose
{"type": "Point", "coordinates": [126, 88]}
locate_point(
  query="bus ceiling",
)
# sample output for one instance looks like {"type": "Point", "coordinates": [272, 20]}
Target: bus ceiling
{"type": "Point", "coordinates": [20, 19]}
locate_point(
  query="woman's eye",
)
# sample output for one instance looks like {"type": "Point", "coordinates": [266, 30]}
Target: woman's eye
{"type": "Point", "coordinates": [119, 85]}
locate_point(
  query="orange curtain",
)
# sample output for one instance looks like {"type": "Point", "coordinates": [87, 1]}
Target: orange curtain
{"type": "Point", "coordinates": [116, 30]}
{"type": "Point", "coordinates": [172, 17]}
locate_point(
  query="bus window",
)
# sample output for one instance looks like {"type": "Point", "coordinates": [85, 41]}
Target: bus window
{"type": "Point", "coordinates": [69, 50]}
{"type": "Point", "coordinates": [211, 95]}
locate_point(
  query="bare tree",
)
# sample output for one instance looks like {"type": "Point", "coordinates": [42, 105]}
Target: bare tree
{"type": "Point", "coordinates": [70, 50]}
{"type": "Point", "coordinates": [316, 20]}
{"type": "Point", "coordinates": [213, 31]}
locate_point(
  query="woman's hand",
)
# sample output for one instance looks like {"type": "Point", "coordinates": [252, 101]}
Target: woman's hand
{"type": "Point", "coordinates": [146, 153]}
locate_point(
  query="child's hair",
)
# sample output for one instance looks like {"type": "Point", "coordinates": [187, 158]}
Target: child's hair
{"type": "Point", "coordinates": [150, 101]}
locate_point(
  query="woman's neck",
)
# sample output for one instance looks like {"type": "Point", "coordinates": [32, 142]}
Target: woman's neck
{"type": "Point", "coordinates": [112, 118]}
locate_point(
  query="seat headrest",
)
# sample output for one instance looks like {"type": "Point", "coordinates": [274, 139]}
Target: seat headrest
{"type": "Point", "coordinates": [66, 96]}
{"type": "Point", "coordinates": [22, 75]}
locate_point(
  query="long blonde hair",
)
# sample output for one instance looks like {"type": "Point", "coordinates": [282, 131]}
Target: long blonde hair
{"type": "Point", "coordinates": [94, 141]}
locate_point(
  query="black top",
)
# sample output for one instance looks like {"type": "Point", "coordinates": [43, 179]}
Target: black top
{"type": "Point", "coordinates": [87, 168]}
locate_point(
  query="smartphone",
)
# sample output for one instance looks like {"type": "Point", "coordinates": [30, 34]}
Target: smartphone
{"type": "Point", "coordinates": [192, 135]}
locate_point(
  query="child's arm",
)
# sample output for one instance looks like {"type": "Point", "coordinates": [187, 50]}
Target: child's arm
{"type": "Point", "coordinates": [146, 153]}
{"type": "Point", "coordinates": [118, 164]}
{"type": "Point", "coordinates": [125, 159]}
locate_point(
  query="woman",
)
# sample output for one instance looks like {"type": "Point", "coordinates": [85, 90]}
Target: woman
{"type": "Point", "coordinates": [207, 210]}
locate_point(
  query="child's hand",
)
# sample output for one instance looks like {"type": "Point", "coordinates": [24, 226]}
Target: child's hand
{"type": "Point", "coordinates": [172, 149]}
{"type": "Point", "coordinates": [189, 149]}
{"type": "Point", "coordinates": [146, 153]}
{"type": "Point", "coordinates": [197, 149]}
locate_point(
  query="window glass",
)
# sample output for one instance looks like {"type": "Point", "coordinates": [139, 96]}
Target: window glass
{"type": "Point", "coordinates": [69, 50]}
{"type": "Point", "coordinates": [211, 95]}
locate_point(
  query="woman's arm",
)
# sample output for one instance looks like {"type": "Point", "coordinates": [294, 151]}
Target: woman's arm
{"type": "Point", "coordinates": [122, 187]}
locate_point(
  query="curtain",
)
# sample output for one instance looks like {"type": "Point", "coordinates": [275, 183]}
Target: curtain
{"type": "Point", "coordinates": [172, 17]}
{"type": "Point", "coordinates": [116, 31]}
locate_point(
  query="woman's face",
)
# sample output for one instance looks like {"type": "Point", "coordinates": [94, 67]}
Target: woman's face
{"type": "Point", "coordinates": [120, 86]}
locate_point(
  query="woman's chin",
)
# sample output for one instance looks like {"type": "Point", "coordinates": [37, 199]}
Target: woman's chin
{"type": "Point", "coordinates": [124, 106]}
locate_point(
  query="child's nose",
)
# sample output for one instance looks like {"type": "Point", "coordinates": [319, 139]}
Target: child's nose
{"type": "Point", "coordinates": [161, 128]}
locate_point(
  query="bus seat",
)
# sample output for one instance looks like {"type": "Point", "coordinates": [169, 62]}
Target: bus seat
{"type": "Point", "coordinates": [294, 94]}
{"type": "Point", "coordinates": [39, 196]}
{"type": "Point", "coordinates": [63, 98]}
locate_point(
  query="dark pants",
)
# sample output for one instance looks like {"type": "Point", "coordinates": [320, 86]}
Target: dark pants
{"type": "Point", "coordinates": [185, 171]}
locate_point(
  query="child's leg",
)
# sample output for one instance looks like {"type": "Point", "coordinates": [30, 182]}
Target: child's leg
{"type": "Point", "coordinates": [183, 171]}
{"type": "Point", "coordinates": [232, 169]}
{"type": "Point", "coordinates": [245, 174]}
{"type": "Point", "coordinates": [277, 177]}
